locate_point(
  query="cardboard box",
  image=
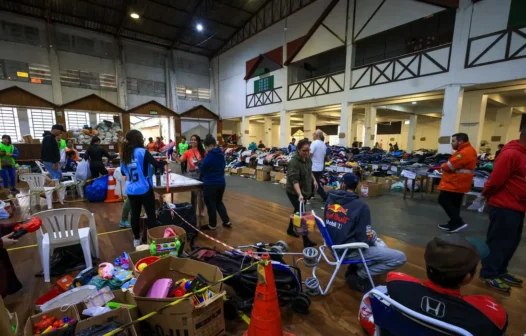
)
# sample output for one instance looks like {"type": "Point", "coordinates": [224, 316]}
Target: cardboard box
{"type": "Point", "coordinates": [71, 312]}
{"type": "Point", "coordinates": [157, 234]}
{"type": "Point", "coordinates": [7, 321]}
{"type": "Point", "coordinates": [371, 190]}
{"type": "Point", "coordinates": [248, 171]}
{"type": "Point", "coordinates": [262, 175]}
{"type": "Point", "coordinates": [128, 299]}
{"type": "Point", "coordinates": [28, 138]}
{"type": "Point", "coordinates": [120, 315]}
{"type": "Point", "coordinates": [279, 176]}
{"type": "Point", "coordinates": [184, 318]}
{"type": "Point", "coordinates": [234, 171]}
{"type": "Point", "coordinates": [267, 168]}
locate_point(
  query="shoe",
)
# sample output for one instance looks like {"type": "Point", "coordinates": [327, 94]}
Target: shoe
{"type": "Point", "coordinates": [446, 227]}
{"type": "Point", "coordinates": [125, 224]}
{"type": "Point", "coordinates": [357, 283]}
{"type": "Point", "coordinates": [497, 284]}
{"type": "Point", "coordinates": [308, 243]}
{"type": "Point", "coordinates": [14, 190]}
{"type": "Point", "coordinates": [453, 229]}
{"type": "Point", "coordinates": [511, 279]}
{"type": "Point", "coordinates": [291, 232]}
{"type": "Point", "coordinates": [136, 242]}
{"type": "Point", "coordinates": [227, 225]}
{"type": "Point", "coordinates": [207, 227]}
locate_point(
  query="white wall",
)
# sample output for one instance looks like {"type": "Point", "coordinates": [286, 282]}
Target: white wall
{"type": "Point", "coordinates": [489, 16]}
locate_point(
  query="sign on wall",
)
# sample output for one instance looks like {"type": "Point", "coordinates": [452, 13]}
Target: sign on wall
{"type": "Point", "coordinates": [264, 84]}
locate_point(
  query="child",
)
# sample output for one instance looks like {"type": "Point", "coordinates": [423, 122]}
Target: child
{"type": "Point", "coordinates": [71, 164]}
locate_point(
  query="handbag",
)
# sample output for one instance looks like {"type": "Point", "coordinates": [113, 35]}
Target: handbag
{"type": "Point", "coordinates": [303, 222]}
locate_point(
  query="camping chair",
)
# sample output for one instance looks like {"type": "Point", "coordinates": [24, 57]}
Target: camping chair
{"type": "Point", "coordinates": [393, 319]}
{"type": "Point", "coordinates": [339, 253]}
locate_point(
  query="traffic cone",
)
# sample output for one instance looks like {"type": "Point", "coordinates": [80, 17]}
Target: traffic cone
{"type": "Point", "coordinates": [266, 316]}
{"type": "Point", "coordinates": [110, 196]}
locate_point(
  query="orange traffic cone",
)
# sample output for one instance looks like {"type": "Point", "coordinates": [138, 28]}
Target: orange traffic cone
{"type": "Point", "coordinates": [110, 196]}
{"type": "Point", "coordinates": [265, 319]}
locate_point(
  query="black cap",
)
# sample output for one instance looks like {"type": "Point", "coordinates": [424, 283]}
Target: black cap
{"type": "Point", "coordinates": [58, 127]}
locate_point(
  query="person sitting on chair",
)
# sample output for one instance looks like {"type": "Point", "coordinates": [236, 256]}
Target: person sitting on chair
{"type": "Point", "coordinates": [451, 263]}
{"type": "Point", "coordinates": [348, 220]}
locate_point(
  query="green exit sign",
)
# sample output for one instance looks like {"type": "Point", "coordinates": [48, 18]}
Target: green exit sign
{"type": "Point", "coordinates": [264, 84]}
{"type": "Point", "coordinates": [153, 112]}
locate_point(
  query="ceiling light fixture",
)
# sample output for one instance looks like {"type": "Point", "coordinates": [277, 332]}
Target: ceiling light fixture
{"type": "Point", "coordinates": [134, 15]}
{"type": "Point", "coordinates": [199, 27]}
{"type": "Point", "coordinates": [414, 103]}
{"type": "Point", "coordinates": [406, 122]}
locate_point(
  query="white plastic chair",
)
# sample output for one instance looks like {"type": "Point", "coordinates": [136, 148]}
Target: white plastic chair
{"type": "Point", "coordinates": [37, 183]}
{"type": "Point", "coordinates": [62, 191]}
{"type": "Point", "coordinates": [62, 229]}
{"type": "Point", "coordinates": [339, 253]}
{"type": "Point", "coordinates": [40, 165]}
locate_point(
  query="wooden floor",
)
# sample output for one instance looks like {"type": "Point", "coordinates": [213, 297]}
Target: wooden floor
{"type": "Point", "coordinates": [254, 220]}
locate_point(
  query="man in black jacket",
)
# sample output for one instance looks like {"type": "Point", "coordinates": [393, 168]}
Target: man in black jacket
{"type": "Point", "coordinates": [50, 152]}
{"type": "Point", "coordinates": [348, 220]}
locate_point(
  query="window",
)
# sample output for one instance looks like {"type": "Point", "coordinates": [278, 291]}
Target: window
{"type": "Point", "coordinates": [201, 94]}
{"type": "Point", "coordinates": [88, 80]}
{"type": "Point", "coordinates": [39, 73]}
{"type": "Point", "coordinates": [143, 87]}
{"type": "Point", "coordinates": [76, 119]}
{"type": "Point", "coordinates": [9, 123]}
{"type": "Point", "coordinates": [40, 121]}
{"type": "Point", "coordinates": [108, 82]}
{"type": "Point", "coordinates": [105, 116]}
{"type": "Point", "coordinates": [204, 94]}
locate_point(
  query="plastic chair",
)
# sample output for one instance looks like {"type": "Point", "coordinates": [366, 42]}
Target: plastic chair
{"type": "Point", "coordinates": [62, 229]}
{"type": "Point", "coordinates": [396, 319]}
{"type": "Point", "coordinates": [65, 184]}
{"type": "Point", "coordinates": [40, 165]}
{"type": "Point", "coordinates": [339, 253]}
{"type": "Point", "coordinates": [37, 183]}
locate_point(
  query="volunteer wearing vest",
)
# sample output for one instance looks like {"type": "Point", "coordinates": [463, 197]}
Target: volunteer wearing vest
{"type": "Point", "coordinates": [506, 194]}
{"type": "Point", "coordinates": [292, 146]}
{"type": "Point", "coordinates": [136, 165]}
{"type": "Point", "coordinates": [8, 172]}
{"type": "Point", "coordinates": [457, 177]}
{"type": "Point", "coordinates": [183, 147]}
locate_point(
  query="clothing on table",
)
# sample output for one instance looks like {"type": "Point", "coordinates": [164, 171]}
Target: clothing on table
{"type": "Point", "coordinates": [477, 314]}
{"type": "Point", "coordinates": [213, 195]}
{"type": "Point", "coordinates": [8, 175]}
{"type": "Point", "coordinates": [50, 151]}
{"type": "Point", "coordinates": [151, 147]}
{"type": "Point", "coordinates": [212, 168]}
{"type": "Point", "coordinates": [192, 156]}
{"type": "Point", "coordinates": [382, 260]}
{"type": "Point", "coordinates": [262, 146]}
{"type": "Point", "coordinates": [355, 151]}
{"type": "Point", "coordinates": [503, 239]}
{"type": "Point", "coordinates": [183, 147]}
{"type": "Point", "coordinates": [300, 172]}
{"type": "Point", "coordinates": [457, 173]}
{"type": "Point", "coordinates": [451, 202]}
{"type": "Point", "coordinates": [321, 191]}
{"type": "Point", "coordinates": [70, 166]}
{"type": "Point", "coordinates": [55, 174]}
{"type": "Point", "coordinates": [9, 283]}
{"type": "Point", "coordinates": [318, 150]}
{"type": "Point", "coordinates": [94, 154]}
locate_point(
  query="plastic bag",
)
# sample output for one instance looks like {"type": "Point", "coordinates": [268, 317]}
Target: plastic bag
{"type": "Point", "coordinates": [83, 172]}
{"type": "Point", "coordinates": [303, 222]}
{"type": "Point", "coordinates": [5, 210]}
{"type": "Point", "coordinates": [96, 192]}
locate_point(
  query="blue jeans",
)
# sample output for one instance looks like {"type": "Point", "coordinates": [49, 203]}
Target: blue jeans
{"type": "Point", "coordinates": [8, 175]}
{"type": "Point", "coordinates": [56, 174]}
{"type": "Point", "coordinates": [383, 260]}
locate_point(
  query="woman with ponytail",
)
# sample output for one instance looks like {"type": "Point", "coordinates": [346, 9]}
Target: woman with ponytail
{"type": "Point", "coordinates": [136, 164]}
{"type": "Point", "coordinates": [193, 157]}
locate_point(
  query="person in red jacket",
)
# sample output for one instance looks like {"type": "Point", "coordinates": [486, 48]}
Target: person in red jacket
{"type": "Point", "coordinates": [506, 195]}
{"type": "Point", "coordinates": [457, 178]}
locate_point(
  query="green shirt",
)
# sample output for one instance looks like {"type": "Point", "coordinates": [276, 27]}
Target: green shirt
{"type": "Point", "coordinates": [62, 144]}
{"type": "Point", "coordinates": [9, 149]}
{"type": "Point", "coordinates": [300, 172]}
{"type": "Point", "coordinates": [183, 147]}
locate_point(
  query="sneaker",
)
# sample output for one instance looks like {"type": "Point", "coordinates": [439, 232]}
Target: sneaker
{"type": "Point", "coordinates": [207, 227]}
{"type": "Point", "coordinates": [511, 279]}
{"type": "Point", "coordinates": [125, 224]}
{"type": "Point", "coordinates": [227, 225]}
{"type": "Point", "coordinates": [444, 227]}
{"type": "Point", "coordinates": [357, 283]}
{"type": "Point", "coordinates": [454, 229]}
{"type": "Point", "coordinates": [497, 284]}
{"type": "Point", "coordinates": [136, 242]}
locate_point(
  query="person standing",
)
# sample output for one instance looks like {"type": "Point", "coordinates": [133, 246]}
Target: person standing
{"type": "Point", "coordinates": [151, 145]}
{"type": "Point", "coordinates": [292, 146]}
{"type": "Point", "coordinates": [183, 147]}
{"type": "Point", "coordinates": [193, 157]}
{"type": "Point", "coordinates": [318, 152]}
{"type": "Point", "coordinates": [261, 145]}
{"type": "Point", "coordinates": [7, 154]}
{"type": "Point", "coordinates": [500, 146]}
{"type": "Point", "coordinates": [50, 152]}
{"type": "Point", "coordinates": [300, 182]}
{"type": "Point", "coordinates": [95, 153]}
{"type": "Point", "coordinates": [457, 178]}
{"type": "Point", "coordinates": [212, 170]}
{"type": "Point", "coordinates": [137, 165]}
{"type": "Point", "coordinates": [506, 194]}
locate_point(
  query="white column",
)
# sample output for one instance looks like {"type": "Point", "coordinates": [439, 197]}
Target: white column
{"type": "Point", "coordinates": [120, 71]}
{"type": "Point", "coordinates": [55, 76]}
{"type": "Point", "coordinates": [451, 109]}
{"type": "Point", "coordinates": [245, 133]}
{"type": "Point", "coordinates": [410, 135]}
{"type": "Point", "coordinates": [284, 129]}
{"type": "Point", "coordinates": [472, 116]}
{"type": "Point", "coordinates": [345, 136]}
{"type": "Point", "coordinates": [463, 17]}
{"type": "Point", "coordinates": [309, 124]}
{"type": "Point", "coordinates": [268, 131]}
{"type": "Point", "coordinates": [358, 134]}
{"type": "Point", "coordinates": [502, 126]}
{"type": "Point", "coordinates": [370, 126]}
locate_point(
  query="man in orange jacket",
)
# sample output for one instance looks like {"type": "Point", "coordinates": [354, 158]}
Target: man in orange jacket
{"type": "Point", "coordinates": [457, 177]}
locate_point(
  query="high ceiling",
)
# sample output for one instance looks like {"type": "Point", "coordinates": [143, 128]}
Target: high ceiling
{"type": "Point", "coordinates": [168, 23]}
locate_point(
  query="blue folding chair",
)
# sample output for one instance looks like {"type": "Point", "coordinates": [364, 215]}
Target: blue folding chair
{"type": "Point", "coordinates": [339, 253]}
{"type": "Point", "coordinates": [393, 319]}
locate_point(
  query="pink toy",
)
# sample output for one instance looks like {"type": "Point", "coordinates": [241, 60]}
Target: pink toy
{"type": "Point", "coordinates": [106, 271]}
{"type": "Point", "coordinates": [160, 288]}
{"type": "Point", "coordinates": [169, 232]}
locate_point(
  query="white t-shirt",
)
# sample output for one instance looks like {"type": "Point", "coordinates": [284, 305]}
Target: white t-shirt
{"type": "Point", "coordinates": [318, 150]}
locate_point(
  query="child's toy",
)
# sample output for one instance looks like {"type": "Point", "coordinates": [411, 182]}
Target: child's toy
{"type": "Point", "coordinates": [165, 249]}
{"type": "Point", "coordinates": [169, 233]}
{"type": "Point", "coordinates": [44, 323]}
{"type": "Point", "coordinates": [65, 282]}
{"type": "Point", "coordinates": [148, 261]}
{"type": "Point", "coordinates": [142, 267]}
{"type": "Point", "coordinates": [106, 271]}
{"type": "Point", "coordinates": [125, 261]}
{"type": "Point", "coordinates": [29, 225]}
{"type": "Point", "coordinates": [84, 277]}
{"type": "Point", "coordinates": [115, 305]}
{"type": "Point", "coordinates": [160, 288]}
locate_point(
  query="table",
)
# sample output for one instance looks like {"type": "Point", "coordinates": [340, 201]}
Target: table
{"type": "Point", "coordinates": [178, 184]}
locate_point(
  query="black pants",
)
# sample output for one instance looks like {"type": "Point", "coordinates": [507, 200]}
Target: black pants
{"type": "Point", "coordinates": [184, 166]}
{"type": "Point", "coordinates": [504, 236]}
{"type": "Point", "coordinates": [147, 201]}
{"type": "Point", "coordinates": [97, 168]}
{"type": "Point", "coordinates": [294, 200]}
{"type": "Point", "coordinates": [451, 202]}
{"type": "Point", "coordinates": [321, 191]}
{"type": "Point", "coordinates": [213, 195]}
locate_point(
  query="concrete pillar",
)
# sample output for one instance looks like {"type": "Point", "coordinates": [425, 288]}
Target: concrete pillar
{"type": "Point", "coordinates": [120, 71]}
{"type": "Point", "coordinates": [55, 76]}
{"type": "Point", "coordinates": [345, 136]}
{"type": "Point", "coordinates": [309, 124]}
{"type": "Point", "coordinates": [245, 131]}
{"type": "Point", "coordinates": [502, 126]}
{"type": "Point", "coordinates": [451, 109]}
{"type": "Point", "coordinates": [268, 131]}
{"type": "Point", "coordinates": [359, 134]}
{"type": "Point", "coordinates": [370, 126]}
{"type": "Point", "coordinates": [472, 116]}
{"type": "Point", "coordinates": [284, 129]}
{"type": "Point", "coordinates": [410, 135]}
